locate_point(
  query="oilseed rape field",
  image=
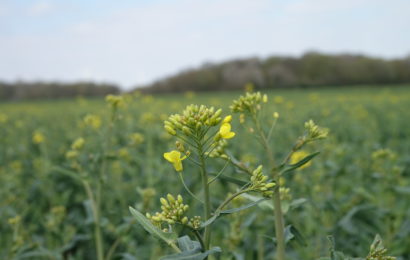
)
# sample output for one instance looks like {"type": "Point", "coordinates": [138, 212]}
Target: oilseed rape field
{"type": "Point", "coordinates": [285, 174]}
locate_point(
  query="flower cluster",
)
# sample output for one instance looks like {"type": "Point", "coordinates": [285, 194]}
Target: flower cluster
{"type": "Point", "coordinates": [136, 139]}
{"type": "Point", "coordinates": [259, 182]}
{"type": "Point", "coordinates": [314, 132]}
{"type": "Point", "coordinates": [38, 137]}
{"type": "Point", "coordinates": [249, 103]}
{"type": "Point", "coordinates": [285, 193]}
{"type": "Point", "coordinates": [193, 121]}
{"type": "Point", "coordinates": [384, 154]}
{"type": "Point", "coordinates": [115, 101]}
{"type": "Point", "coordinates": [378, 251]}
{"type": "Point", "coordinates": [76, 146]}
{"type": "Point", "coordinates": [173, 211]}
{"type": "Point", "coordinates": [92, 120]}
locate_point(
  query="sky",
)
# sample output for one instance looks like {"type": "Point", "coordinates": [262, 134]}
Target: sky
{"type": "Point", "coordinates": [136, 42]}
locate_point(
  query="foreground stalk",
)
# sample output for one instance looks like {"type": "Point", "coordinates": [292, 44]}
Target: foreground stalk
{"type": "Point", "coordinates": [207, 201]}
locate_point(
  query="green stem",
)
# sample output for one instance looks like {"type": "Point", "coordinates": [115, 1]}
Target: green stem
{"type": "Point", "coordinates": [205, 187]}
{"type": "Point", "coordinates": [278, 214]}
{"type": "Point", "coordinates": [261, 247]}
{"type": "Point", "coordinates": [220, 172]}
{"type": "Point", "coordinates": [201, 241]}
{"type": "Point", "coordinates": [279, 223]}
{"type": "Point", "coordinates": [96, 215]}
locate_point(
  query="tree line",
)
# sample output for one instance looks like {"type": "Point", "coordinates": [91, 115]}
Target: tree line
{"type": "Point", "coordinates": [312, 69]}
{"type": "Point", "coordinates": [50, 90]}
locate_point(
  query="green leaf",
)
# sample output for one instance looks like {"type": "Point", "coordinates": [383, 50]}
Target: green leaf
{"type": "Point", "coordinates": [230, 211]}
{"type": "Point", "coordinates": [298, 236]}
{"type": "Point", "coordinates": [192, 255]}
{"type": "Point", "coordinates": [169, 238]}
{"type": "Point", "coordinates": [186, 244]}
{"type": "Point", "coordinates": [292, 167]}
{"type": "Point", "coordinates": [191, 250]}
{"type": "Point", "coordinates": [288, 234]}
{"type": "Point", "coordinates": [266, 205]}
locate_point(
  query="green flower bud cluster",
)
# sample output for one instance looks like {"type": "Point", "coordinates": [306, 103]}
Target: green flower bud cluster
{"type": "Point", "coordinates": [259, 182]}
{"type": "Point", "coordinates": [378, 252]}
{"type": "Point", "coordinates": [218, 149]}
{"type": "Point", "coordinates": [173, 211]}
{"type": "Point", "coordinates": [195, 222]}
{"type": "Point", "coordinates": [193, 120]}
{"type": "Point", "coordinates": [115, 101]}
{"type": "Point", "coordinates": [76, 146]}
{"type": "Point", "coordinates": [384, 154]}
{"type": "Point", "coordinates": [285, 193]}
{"type": "Point", "coordinates": [136, 139]}
{"type": "Point", "coordinates": [314, 132]}
{"type": "Point", "coordinates": [250, 103]}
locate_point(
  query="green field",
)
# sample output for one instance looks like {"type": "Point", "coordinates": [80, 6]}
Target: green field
{"type": "Point", "coordinates": [57, 199]}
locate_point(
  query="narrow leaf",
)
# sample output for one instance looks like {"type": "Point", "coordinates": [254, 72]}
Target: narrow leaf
{"type": "Point", "coordinates": [302, 162]}
{"type": "Point", "coordinates": [150, 228]}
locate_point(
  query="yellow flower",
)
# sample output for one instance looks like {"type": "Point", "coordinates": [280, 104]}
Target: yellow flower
{"type": "Point", "coordinates": [227, 119]}
{"type": "Point", "coordinates": [265, 98]}
{"type": "Point", "coordinates": [71, 154]}
{"type": "Point", "coordinates": [93, 121]}
{"type": "Point", "coordinates": [225, 131]}
{"type": "Point", "coordinates": [174, 157]}
{"type": "Point", "coordinates": [15, 220]}
{"type": "Point", "coordinates": [115, 101]}
{"type": "Point", "coordinates": [78, 144]}
{"type": "Point", "coordinates": [136, 138]}
{"type": "Point", "coordinates": [38, 137]}
{"type": "Point", "coordinates": [298, 156]}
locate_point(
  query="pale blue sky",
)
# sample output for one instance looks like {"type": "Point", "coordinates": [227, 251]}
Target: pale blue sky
{"type": "Point", "coordinates": [135, 42]}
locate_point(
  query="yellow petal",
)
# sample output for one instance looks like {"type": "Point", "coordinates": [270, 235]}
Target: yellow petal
{"type": "Point", "coordinates": [172, 156]}
{"type": "Point", "coordinates": [225, 128]}
{"type": "Point", "coordinates": [178, 166]}
{"type": "Point", "coordinates": [227, 119]}
{"type": "Point", "coordinates": [229, 135]}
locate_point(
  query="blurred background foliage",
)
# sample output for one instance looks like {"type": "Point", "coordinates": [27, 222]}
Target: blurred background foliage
{"type": "Point", "coordinates": [359, 185]}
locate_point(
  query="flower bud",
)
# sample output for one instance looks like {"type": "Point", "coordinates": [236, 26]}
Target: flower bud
{"type": "Point", "coordinates": [170, 130]}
